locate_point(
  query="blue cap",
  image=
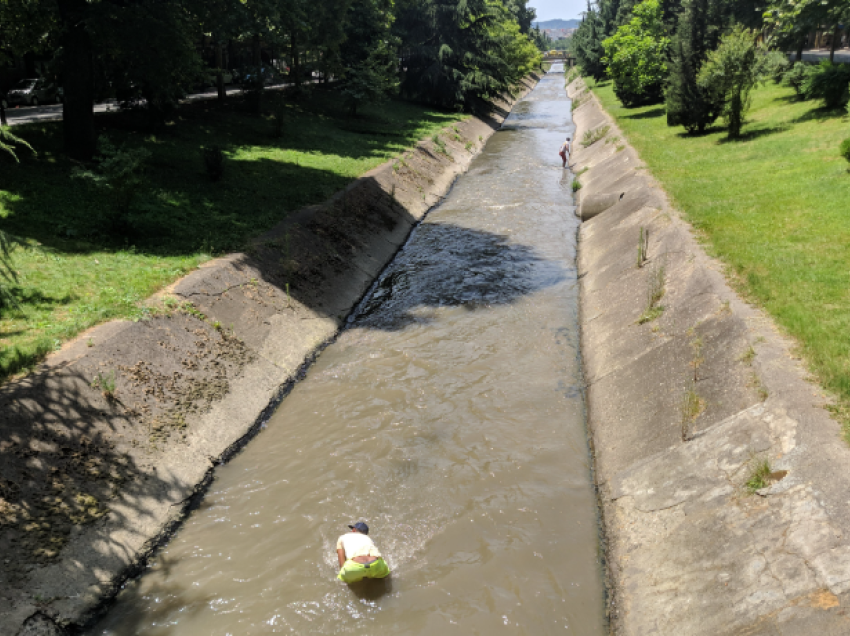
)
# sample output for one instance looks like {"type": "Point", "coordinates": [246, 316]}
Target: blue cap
{"type": "Point", "coordinates": [360, 527]}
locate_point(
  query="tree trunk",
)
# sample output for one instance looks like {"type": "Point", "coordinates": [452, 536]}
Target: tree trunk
{"type": "Point", "coordinates": [78, 81]}
{"type": "Point", "coordinates": [259, 84]}
{"type": "Point", "coordinates": [219, 63]}
{"type": "Point", "coordinates": [834, 44]}
{"type": "Point", "coordinates": [296, 63]}
{"type": "Point", "coordinates": [800, 48]}
{"type": "Point", "coordinates": [3, 121]}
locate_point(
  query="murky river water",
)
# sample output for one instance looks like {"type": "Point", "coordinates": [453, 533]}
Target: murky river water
{"type": "Point", "coordinates": [449, 416]}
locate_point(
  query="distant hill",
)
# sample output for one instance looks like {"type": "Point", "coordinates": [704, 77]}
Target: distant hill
{"type": "Point", "coordinates": [558, 24]}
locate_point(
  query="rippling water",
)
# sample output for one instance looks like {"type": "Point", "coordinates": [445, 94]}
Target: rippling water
{"type": "Point", "coordinates": [449, 416]}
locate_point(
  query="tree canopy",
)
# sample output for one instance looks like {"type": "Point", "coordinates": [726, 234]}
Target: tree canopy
{"type": "Point", "coordinates": [456, 53]}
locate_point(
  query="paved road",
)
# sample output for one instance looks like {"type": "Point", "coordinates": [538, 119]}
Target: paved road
{"type": "Point", "coordinates": [842, 56]}
{"type": "Point", "coordinates": [53, 112]}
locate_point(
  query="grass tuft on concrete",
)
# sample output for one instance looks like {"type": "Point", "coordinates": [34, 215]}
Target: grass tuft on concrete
{"type": "Point", "coordinates": [773, 206]}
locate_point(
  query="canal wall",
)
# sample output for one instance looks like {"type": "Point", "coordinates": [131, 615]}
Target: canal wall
{"type": "Point", "coordinates": [109, 443]}
{"type": "Point", "coordinates": [690, 391]}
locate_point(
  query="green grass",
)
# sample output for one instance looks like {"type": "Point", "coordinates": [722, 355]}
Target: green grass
{"type": "Point", "coordinates": [759, 476]}
{"type": "Point", "coordinates": [78, 271]}
{"type": "Point", "coordinates": [774, 206]}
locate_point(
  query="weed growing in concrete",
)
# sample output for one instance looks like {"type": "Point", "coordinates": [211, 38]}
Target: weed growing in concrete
{"type": "Point", "coordinates": [579, 100]}
{"type": "Point", "coordinates": [621, 147]}
{"type": "Point", "coordinates": [760, 473]}
{"type": "Point", "coordinates": [440, 145]}
{"type": "Point", "coordinates": [592, 136]}
{"type": "Point", "coordinates": [582, 171]}
{"type": "Point", "coordinates": [655, 293]}
{"type": "Point", "coordinates": [106, 384]}
{"type": "Point", "coordinates": [576, 185]}
{"type": "Point", "coordinates": [748, 356]}
{"type": "Point", "coordinates": [643, 244]}
{"type": "Point", "coordinates": [469, 145]}
{"type": "Point", "coordinates": [691, 407]}
{"type": "Point", "coordinates": [696, 350]}
{"type": "Point", "coordinates": [612, 140]}
{"type": "Point", "coordinates": [191, 310]}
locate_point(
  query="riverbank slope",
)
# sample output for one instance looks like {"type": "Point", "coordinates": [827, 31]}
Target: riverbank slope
{"type": "Point", "coordinates": [721, 477]}
{"type": "Point", "coordinates": [115, 436]}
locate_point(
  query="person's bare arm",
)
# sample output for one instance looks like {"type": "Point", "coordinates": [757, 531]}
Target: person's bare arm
{"type": "Point", "coordinates": [340, 554]}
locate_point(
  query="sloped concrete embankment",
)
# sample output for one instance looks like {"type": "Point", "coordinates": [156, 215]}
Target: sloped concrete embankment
{"type": "Point", "coordinates": [689, 389]}
{"type": "Point", "coordinates": [109, 442]}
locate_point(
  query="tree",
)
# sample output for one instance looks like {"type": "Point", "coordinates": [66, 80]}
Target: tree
{"type": "Point", "coordinates": [522, 14]}
{"type": "Point", "coordinates": [698, 32]}
{"type": "Point", "coordinates": [729, 75]}
{"type": "Point", "coordinates": [588, 44]}
{"type": "Point", "coordinates": [370, 56]}
{"type": "Point", "coordinates": [456, 51]}
{"type": "Point", "coordinates": [636, 56]}
{"type": "Point", "coordinates": [791, 21]}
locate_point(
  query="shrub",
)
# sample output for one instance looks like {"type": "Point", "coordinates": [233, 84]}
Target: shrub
{"type": "Point", "coordinates": [796, 76]}
{"type": "Point", "coordinates": [636, 56]}
{"type": "Point", "coordinates": [214, 162]}
{"type": "Point", "coordinates": [774, 66]}
{"type": "Point", "coordinates": [845, 149]}
{"type": "Point", "coordinates": [120, 172]}
{"type": "Point", "coordinates": [8, 141]}
{"type": "Point", "coordinates": [730, 73]}
{"type": "Point", "coordinates": [592, 136]}
{"type": "Point", "coordinates": [828, 82]}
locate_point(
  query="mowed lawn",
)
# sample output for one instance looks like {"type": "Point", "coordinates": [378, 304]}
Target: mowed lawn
{"type": "Point", "coordinates": [78, 269]}
{"type": "Point", "coordinates": [774, 206]}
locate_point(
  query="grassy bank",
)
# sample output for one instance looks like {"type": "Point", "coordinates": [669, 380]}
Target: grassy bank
{"type": "Point", "coordinates": [78, 268]}
{"type": "Point", "coordinates": [774, 206]}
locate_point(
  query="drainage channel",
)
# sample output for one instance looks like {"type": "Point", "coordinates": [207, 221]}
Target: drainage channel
{"type": "Point", "coordinates": [449, 415]}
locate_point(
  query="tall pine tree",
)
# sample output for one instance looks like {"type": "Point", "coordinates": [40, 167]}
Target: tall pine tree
{"type": "Point", "coordinates": [587, 41]}
{"type": "Point", "coordinates": [698, 32]}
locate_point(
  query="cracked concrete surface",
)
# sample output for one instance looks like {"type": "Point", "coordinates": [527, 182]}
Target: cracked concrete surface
{"type": "Point", "coordinates": [690, 550]}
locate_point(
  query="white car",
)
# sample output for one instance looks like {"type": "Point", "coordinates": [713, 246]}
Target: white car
{"type": "Point", "coordinates": [32, 92]}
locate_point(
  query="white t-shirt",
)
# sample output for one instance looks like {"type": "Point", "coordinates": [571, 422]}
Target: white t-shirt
{"type": "Point", "coordinates": [357, 544]}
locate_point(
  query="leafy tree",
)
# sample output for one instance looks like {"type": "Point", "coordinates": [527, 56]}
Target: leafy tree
{"type": "Point", "coordinates": [698, 32]}
{"type": "Point", "coordinates": [370, 55]}
{"type": "Point", "coordinates": [522, 14]}
{"type": "Point", "coordinates": [588, 44]}
{"type": "Point", "coordinates": [153, 70]}
{"type": "Point", "coordinates": [729, 75]}
{"type": "Point", "coordinates": [456, 51]}
{"type": "Point", "coordinates": [828, 82]}
{"type": "Point", "coordinates": [791, 21]}
{"type": "Point", "coordinates": [636, 56]}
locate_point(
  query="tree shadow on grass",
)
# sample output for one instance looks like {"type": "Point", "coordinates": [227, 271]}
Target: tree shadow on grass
{"type": "Point", "coordinates": [653, 113]}
{"type": "Point", "coordinates": [710, 130]}
{"type": "Point", "coordinates": [821, 114]}
{"type": "Point", "coordinates": [180, 211]}
{"type": "Point", "coordinates": [755, 133]}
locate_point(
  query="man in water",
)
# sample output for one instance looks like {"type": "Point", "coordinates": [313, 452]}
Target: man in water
{"type": "Point", "coordinates": [565, 151]}
{"type": "Point", "coordinates": [358, 557]}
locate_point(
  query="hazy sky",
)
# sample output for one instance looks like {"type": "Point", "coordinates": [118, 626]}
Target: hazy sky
{"type": "Point", "coordinates": [554, 9]}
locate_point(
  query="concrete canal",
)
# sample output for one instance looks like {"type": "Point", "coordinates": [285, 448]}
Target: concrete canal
{"type": "Point", "coordinates": [449, 415]}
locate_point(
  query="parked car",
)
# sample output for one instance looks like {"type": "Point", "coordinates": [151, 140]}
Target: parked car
{"type": "Point", "coordinates": [266, 72]}
{"type": "Point", "coordinates": [32, 92]}
{"type": "Point", "coordinates": [212, 77]}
